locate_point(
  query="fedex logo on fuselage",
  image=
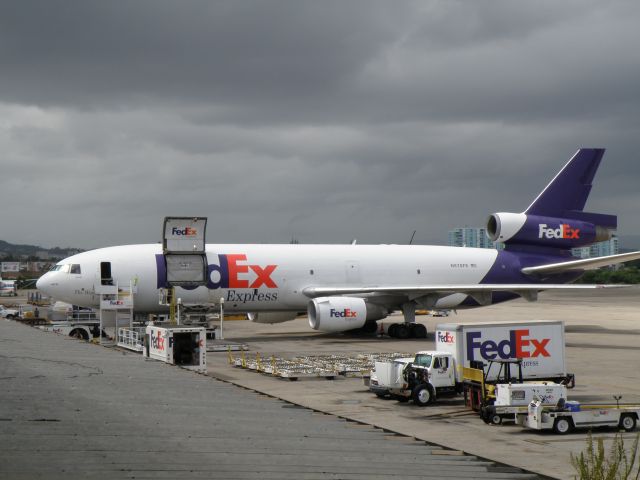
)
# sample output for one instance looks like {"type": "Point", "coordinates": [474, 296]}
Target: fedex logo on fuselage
{"type": "Point", "coordinates": [346, 313]}
{"type": "Point", "coordinates": [563, 231]}
{"type": "Point", "coordinates": [184, 232]}
{"type": "Point", "coordinates": [518, 345]}
{"type": "Point", "coordinates": [233, 271]}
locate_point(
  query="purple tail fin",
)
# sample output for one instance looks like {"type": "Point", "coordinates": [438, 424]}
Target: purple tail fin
{"type": "Point", "coordinates": [555, 219]}
{"type": "Point", "coordinates": [566, 195]}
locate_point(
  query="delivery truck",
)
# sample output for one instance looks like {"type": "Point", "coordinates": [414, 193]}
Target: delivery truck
{"type": "Point", "coordinates": [538, 346]}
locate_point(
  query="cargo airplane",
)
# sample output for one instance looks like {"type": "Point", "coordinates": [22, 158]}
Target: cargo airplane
{"type": "Point", "coordinates": [347, 287]}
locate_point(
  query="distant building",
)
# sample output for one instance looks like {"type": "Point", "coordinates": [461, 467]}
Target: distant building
{"type": "Point", "coordinates": [477, 238]}
{"type": "Point", "coordinates": [601, 249]}
{"type": "Point", "coordinates": [7, 267]}
{"type": "Point", "coordinates": [469, 237]}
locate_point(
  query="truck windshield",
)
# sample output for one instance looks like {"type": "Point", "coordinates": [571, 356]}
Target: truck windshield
{"type": "Point", "coordinates": [423, 360]}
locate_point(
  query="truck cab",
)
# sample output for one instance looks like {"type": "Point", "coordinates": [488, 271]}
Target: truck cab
{"type": "Point", "coordinates": [431, 374]}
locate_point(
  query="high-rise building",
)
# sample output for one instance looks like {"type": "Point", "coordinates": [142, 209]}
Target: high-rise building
{"type": "Point", "coordinates": [600, 249]}
{"type": "Point", "coordinates": [469, 237]}
{"type": "Point", "coordinates": [477, 238]}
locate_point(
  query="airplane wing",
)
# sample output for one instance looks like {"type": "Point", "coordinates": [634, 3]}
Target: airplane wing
{"type": "Point", "coordinates": [582, 264]}
{"type": "Point", "coordinates": [479, 292]}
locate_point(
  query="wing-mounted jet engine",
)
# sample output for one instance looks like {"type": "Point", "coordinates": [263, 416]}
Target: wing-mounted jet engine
{"type": "Point", "coordinates": [337, 314]}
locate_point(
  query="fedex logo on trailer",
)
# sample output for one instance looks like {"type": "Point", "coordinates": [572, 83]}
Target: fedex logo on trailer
{"type": "Point", "coordinates": [519, 345]}
{"type": "Point", "coordinates": [446, 337]}
{"type": "Point", "coordinates": [157, 340]}
{"type": "Point", "coordinates": [563, 231]}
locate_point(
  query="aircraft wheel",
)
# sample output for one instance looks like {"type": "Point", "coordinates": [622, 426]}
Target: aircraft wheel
{"type": "Point", "coordinates": [403, 331]}
{"type": "Point", "coordinates": [419, 331]}
{"type": "Point", "coordinates": [370, 327]}
{"type": "Point", "coordinates": [628, 423]}
{"type": "Point", "coordinates": [393, 330]}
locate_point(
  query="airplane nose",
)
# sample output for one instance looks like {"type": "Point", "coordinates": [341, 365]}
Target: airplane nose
{"type": "Point", "coordinates": [41, 283]}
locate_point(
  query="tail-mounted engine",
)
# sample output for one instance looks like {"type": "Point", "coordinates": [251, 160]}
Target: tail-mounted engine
{"type": "Point", "coordinates": [523, 229]}
{"type": "Point", "coordinates": [337, 314]}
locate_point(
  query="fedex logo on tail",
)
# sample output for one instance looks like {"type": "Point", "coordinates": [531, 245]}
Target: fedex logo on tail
{"type": "Point", "coordinates": [563, 231]}
{"type": "Point", "coordinates": [519, 345]}
{"type": "Point", "coordinates": [346, 313]}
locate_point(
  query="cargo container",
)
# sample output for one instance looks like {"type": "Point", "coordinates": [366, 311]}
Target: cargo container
{"type": "Point", "coordinates": [184, 346]}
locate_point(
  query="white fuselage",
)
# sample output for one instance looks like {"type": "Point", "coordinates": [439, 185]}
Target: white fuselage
{"type": "Point", "coordinates": [254, 278]}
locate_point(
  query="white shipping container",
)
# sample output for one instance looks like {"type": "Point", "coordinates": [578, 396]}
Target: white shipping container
{"type": "Point", "coordinates": [182, 346]}
{"type": "Point", "coordinates": [540, 344]}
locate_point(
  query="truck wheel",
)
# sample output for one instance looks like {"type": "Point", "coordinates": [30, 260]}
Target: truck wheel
{"type": "Point", "coordinates": [9, 317]}
{"type": "Point", "coordinates": [562, 426]}
{"type": "Point", "coordinates": [79, 334]}
{"type": "Point", "coordinates": [496, 419]}
{"type": "Point", "coordinates": [628, 422]}
{"type": "Point", "coordinates": [423, 395]}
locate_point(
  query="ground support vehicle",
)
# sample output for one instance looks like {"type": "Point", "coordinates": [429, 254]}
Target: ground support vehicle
{"type": "Point", "coordinates": [8, 288]}
{"type": "Point", "coordinates": [566, 416]}
{"type": "Point", "coordinates": [537, 347]}
{"type": "Point", "coordinates": [82, 329]}
{"type": "Point", "coordinates": [23, 313]}
{"type": "Point", "coordinates": [385, 374]}
{"type": "Point", "coordinates": [511, 399]}
{"type": "Point", "coordinates": [9, 313]}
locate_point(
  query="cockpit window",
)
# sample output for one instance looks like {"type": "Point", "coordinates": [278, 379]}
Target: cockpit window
{"type": "Point", "coordinates": [63, 268]}
{"type": "Point", "coordinates": [75, 268]}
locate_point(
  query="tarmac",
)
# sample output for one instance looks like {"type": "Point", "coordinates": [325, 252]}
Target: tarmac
{"type": "Point", "coordinates": [69, 408]}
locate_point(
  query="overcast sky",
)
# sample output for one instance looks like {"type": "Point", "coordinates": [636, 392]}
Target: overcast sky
{"type": "Point", "coordinates": [322, 121]}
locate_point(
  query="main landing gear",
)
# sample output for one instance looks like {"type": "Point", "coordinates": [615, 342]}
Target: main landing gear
{"type": "Point", "coordinates": [407, 330]}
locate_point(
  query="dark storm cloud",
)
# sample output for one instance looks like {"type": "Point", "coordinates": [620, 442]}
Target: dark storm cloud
{"type": "Point", "coordinates": [104, 52]}
{"type": "Point", "coordinates": [319, 120]}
